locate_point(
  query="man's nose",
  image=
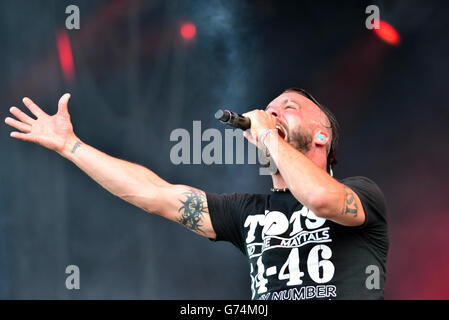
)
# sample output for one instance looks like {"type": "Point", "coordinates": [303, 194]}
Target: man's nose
{"type": "Point", "coordinates": [274, 112]}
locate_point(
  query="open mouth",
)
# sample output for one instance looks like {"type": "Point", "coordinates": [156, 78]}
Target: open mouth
{"type": "Point", "coordinates": [281, 131]}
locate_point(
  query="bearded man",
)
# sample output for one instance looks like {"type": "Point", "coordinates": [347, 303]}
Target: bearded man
{"type": "Point", "coordinates": [312, 237]}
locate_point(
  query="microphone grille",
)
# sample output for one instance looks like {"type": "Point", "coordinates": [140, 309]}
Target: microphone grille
{"type": "Point", "coordinates": [221, 115]}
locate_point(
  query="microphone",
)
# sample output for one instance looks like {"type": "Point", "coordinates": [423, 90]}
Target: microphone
{"type": "Point", "coordinates": [233, 119]}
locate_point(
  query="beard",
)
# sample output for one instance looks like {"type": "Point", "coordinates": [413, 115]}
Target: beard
{"type": "Point", "coordinates": [299, 139]}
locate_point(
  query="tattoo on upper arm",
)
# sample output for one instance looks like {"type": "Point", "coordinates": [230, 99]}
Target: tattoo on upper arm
{"type": "Point", "coordinates": [350, 204]}
{"type": "Point", "coordinates": [76, 146]}
{"type": "Point", "coordinates": [193, 209]}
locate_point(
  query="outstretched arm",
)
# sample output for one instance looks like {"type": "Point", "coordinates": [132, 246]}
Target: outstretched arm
{"type": "Point", "coordinates": [129, 181]}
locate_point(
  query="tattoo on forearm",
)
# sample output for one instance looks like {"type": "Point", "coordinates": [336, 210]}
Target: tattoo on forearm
{"type": "Point", "coordinates": [193, 209]}
{"type": "Point", "coordinates": [76, 146]}
{"type": "Point", "coordinates": [349, 205]}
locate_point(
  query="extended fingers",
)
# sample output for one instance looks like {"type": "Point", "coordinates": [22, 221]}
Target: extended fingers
{"type": "Point", "coordinates": [34, 108]}
{"type": "Point", "coordinates": [21, 136]}
{"type": "Point", "coordinates": [22, 116]}
{"type": "Point", "coordinates": [18, 125]}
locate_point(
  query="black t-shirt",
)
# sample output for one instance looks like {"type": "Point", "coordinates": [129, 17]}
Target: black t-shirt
{"type": "Point", "coordinates": [295, 255]}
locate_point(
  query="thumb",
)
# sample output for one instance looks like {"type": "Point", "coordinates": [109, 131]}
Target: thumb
{"type": "Point", "coordinates": [247, 134]}
{"type": "Point", "coordinates": [62, 104]}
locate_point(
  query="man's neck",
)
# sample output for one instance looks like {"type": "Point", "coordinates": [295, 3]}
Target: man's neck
{"type": "Point", "coordinates": [278, 180]}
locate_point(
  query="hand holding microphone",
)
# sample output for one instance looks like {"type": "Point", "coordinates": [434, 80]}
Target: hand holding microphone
{"type": "Point", "coordinates": [260, 122]}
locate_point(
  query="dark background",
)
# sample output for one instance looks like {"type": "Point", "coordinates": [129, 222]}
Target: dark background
{"type": "Point", "coordinates": [136, 80]}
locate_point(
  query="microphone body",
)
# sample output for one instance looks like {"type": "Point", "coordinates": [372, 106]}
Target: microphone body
{"type": "Point", "coordinates": [233, 119]}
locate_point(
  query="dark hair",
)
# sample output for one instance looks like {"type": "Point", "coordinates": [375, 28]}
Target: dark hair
{"type": "Point", "coordinates": [335, 127]}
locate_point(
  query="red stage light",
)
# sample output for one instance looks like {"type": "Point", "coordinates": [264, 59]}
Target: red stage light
{"type": "Point", "coordinates": [65, 55]}
{"type": "Point", "coordinates": [388, 33]}
{"type": "Point", "coordinates": [188, 30]}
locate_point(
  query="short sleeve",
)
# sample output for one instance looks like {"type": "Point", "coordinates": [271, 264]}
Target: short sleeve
{"type": "Point", "coordinates": [227, 212]}
{"type": "Point", "coordinates": [372, 199]}
{"type": "Point", "coordinates": [375, 227]}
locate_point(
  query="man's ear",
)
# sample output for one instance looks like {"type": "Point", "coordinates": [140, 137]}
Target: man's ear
{"type": "Point", "coordinates": [321, 138]}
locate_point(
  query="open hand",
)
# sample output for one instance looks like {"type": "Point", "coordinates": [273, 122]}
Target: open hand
{"type": "Point", "coordinates": [52, 132]}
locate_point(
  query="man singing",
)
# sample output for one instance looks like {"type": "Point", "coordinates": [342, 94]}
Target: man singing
{"type": "Point", "coordinates": [311, 237]}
